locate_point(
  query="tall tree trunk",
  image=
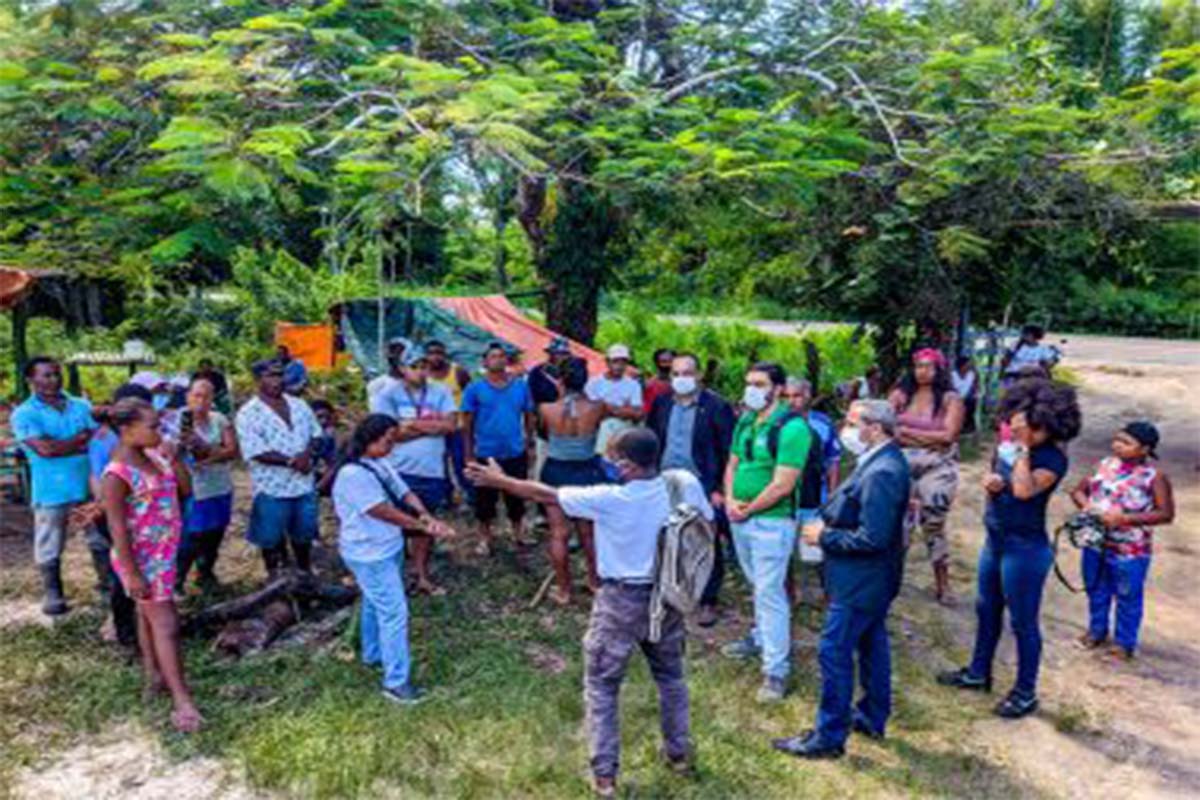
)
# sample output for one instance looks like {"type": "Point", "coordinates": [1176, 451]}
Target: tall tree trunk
{"type": "Point", "coordinates": [574, 251]}
{"type": "Point", "coordinates": [500, 254]}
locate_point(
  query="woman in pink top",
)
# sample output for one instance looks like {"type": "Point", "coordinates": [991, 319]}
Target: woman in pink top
{"type": "Point", "coordinates": [142, 490]}
{"type": "Point", "coordinates": [930, 416]}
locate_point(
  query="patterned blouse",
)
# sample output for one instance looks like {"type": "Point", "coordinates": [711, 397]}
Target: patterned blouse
{"type": "Point", "coordinates": [261, 430]}
{"type": "Point", "coordinates": [1128, 486]}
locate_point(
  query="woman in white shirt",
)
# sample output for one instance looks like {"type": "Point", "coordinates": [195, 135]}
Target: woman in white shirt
{"type": "Point", "coordinates": [375, 509]}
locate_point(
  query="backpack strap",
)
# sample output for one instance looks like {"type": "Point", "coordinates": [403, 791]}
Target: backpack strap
{"type": "Point", "coordinates": [393, 498]}
{"type": "Point", "coordinates": [658, 609]}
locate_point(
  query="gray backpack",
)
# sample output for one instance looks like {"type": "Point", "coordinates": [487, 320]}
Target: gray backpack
{"type": "Point", "coordinates": [684, 559]}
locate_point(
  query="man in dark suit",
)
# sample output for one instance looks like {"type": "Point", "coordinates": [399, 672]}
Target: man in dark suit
{"type": "Point", "coordinates": [861, 531]}
{"type": "Point", "coordinates": [695, 427]}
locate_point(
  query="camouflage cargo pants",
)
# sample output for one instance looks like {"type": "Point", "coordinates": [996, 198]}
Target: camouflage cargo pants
{"type": "Point", "coordinates": [619, 625]}
{"type": "Point", "coordinates": [934, 485]}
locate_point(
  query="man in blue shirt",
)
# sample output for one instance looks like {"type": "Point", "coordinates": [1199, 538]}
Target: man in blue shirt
{"type": "Point", "coordinates": [498, 423]}
{"type": "Point", "coordinates": [54, 430]}
{"type": "Point", "coordinates": [295, 374]}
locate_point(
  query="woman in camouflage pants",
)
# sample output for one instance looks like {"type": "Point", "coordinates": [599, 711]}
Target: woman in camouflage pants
{"type": "Point", "coordinates": [931, 417]}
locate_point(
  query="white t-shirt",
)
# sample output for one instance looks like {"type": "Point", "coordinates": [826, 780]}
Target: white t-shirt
{"type": "Point", "coordinates": [962, 384]}
{"type": "Point", "coordinates": [361, 537]}
{"type": "Point", "coordinates": [624, 391]}
{"type": "Point", "coordinates": [1029, 355]}
{"type": "Point", "coordinates": [377, 385]}
{"type": "Point", "coordinates": [424, 457]}
{"type": "Point", "coordinates": [628, 518]}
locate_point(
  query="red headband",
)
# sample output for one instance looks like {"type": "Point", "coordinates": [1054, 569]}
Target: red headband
{"type": "Point", "coordinates": [930, 354]}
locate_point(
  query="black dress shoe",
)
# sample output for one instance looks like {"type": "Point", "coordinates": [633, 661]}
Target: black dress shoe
{"type": "Point", "coordinates": [806, 745]}
{"type": "Point", "coordinates": [860, 725]}
{"type": "Point", "coordinates": [963, 679]}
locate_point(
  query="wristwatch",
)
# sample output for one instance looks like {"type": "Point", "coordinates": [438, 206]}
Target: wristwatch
{"type": "Point", "coordinates": [1021, 452]}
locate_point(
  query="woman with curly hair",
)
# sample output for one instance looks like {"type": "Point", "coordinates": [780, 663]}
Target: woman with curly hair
{"type": "Point", "coordinates": [1016, 558]}
{"type": "Point", "coordinates": [930, 416]}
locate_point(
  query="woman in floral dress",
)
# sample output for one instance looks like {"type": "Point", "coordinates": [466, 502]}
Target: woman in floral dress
{"type": "Point", "coordinates": [142, 489]}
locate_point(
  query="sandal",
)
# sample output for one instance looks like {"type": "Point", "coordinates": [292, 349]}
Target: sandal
{"type": "Point", "coordinates": [431, 589]}
{"type": "Point", "coordinates": [560, 598]}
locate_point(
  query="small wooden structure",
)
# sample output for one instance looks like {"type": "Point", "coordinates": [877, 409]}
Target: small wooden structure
{"type": "Point", "coordinates": [73, 363]}
{"type": "Point", "coordinates": [78, 300]}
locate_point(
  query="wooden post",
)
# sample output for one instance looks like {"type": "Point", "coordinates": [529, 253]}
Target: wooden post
{"type": "Point", "coordinates": [20, 326]}
{"type": "Point", "coordinates": [74, 383]}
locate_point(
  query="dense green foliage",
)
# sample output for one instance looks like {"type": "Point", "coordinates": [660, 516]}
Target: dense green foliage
{"type": "Point", "coordinates": [726, 349]}
{"type": "Point", "coordinates": [880, 162]}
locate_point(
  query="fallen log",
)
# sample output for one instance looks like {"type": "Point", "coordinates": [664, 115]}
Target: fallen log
{"type": "Point", "coordinates": [245, 636]}
{"type": "Point", "coordinates": [292, 586]}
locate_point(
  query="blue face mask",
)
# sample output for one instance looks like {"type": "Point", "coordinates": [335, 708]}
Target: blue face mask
{"type": "Point", "coordinates": [612, 472]}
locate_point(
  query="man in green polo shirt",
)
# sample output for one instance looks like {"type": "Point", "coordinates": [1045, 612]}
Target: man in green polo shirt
{"type": "Point", "coordinates": [770, 448]}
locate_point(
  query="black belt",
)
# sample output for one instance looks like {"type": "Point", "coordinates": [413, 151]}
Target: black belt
{"type": "Point", "coordinates": [628, 583]}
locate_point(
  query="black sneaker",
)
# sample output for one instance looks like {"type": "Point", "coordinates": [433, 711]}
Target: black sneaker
{"type": "Point", "coordinates": [406, 695]}
{"type": "Point", "coordinates": [861, 726]}
{"type": "Point", "coordinates": [963, 679]}
{"type": "Point", "coordinates": [1015, 706]}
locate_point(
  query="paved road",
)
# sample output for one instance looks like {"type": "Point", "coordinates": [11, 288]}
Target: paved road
{"type": "Point", "coordinates": [1079, 348]}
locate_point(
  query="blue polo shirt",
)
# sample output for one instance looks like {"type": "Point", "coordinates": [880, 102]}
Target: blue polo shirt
{"type": "Point", "coordinates": [55, 480]}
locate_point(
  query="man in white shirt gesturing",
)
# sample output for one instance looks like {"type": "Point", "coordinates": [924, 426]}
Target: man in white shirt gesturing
{"type": "Point", "coordinates": [628, 516]}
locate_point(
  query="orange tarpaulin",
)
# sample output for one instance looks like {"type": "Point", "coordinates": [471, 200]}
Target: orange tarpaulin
{"type": "Point", "coordinates": [14, 284]}
{"type": "Point", "coordinates": [312, 344]}
{"type": "Point", "coordinates": [495, 314]}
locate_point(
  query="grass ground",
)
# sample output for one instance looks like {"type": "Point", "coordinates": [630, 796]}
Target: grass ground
{"type": "Point", "coordinates": [505, 716]}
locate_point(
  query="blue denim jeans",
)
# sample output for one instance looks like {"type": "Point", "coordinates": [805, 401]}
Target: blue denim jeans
{"type": "Point", "coordinates": [1110, 577]}
{"type": "Point", "coordinates": [764, 549]}
{"type": "Point", "coordinates": [273, 518]}
{"type": "Point", "coordinates": [384, 617]}
{"type": "Point", "coordinates": [849, 631]}
{"type": "Point", "coordinates": [1012, 575]}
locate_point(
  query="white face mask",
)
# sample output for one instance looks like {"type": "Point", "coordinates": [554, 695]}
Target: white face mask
{"type": "Point", "coordinates": [852, 440]}
{"type": "Point", "coordinates": [683, 384]}
{"type": "Point", "coordinates": [756, 398]}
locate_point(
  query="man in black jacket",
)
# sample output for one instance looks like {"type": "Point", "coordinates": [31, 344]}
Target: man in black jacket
{"type": "Point", "coordinates": [695, 426]}
{"type": "Point", "coordinates": [861, 532]}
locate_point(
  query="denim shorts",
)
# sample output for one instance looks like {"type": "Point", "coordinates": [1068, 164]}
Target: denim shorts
{"type": "Point", "coordinates": [273, 518]}
{"type": "Point", "coordinates": [434, 492]}
{"type": "Point", "coordinates": [209, 514]}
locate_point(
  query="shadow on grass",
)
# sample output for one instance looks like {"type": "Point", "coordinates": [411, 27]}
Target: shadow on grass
{"type": "Point", "coordinates": [944, 773]}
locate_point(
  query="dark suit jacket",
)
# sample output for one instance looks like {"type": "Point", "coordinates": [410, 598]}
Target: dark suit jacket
{"type": "Point", "coordinates": [864, 532]}
{"type": "Point", "coordinates": [710, 438]}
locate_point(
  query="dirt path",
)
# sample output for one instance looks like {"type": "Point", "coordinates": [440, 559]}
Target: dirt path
{"type": "Point", "coordinates": [1110, 729]}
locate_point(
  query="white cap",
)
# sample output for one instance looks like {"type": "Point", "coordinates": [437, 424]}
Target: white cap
{"type": "Point", "coordinates": [147, 380]}
{"type": "Point", "coordinates": [617, 351]}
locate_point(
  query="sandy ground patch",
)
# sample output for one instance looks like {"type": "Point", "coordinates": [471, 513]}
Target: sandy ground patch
{"type": "Point", "coordinates": [130, 764]}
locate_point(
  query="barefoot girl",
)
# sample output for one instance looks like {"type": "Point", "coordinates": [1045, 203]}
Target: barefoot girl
{"type": "Point", "coordinates": [142, 492]}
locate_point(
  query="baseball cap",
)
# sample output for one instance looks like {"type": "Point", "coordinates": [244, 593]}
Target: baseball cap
{"type": "Point", "coordinates": [617, 351]}
{"type": "Point", "coordinates": [260, 368]}
{"type": "Point", "coordinates": [413, 356]}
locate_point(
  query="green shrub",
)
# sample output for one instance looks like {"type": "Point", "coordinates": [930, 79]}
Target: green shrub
{"type": "Point", "coordinates": [727, 349]}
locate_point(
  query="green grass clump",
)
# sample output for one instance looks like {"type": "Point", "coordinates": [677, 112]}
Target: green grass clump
{"type": "Point", "coordinates": [506, 715]}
